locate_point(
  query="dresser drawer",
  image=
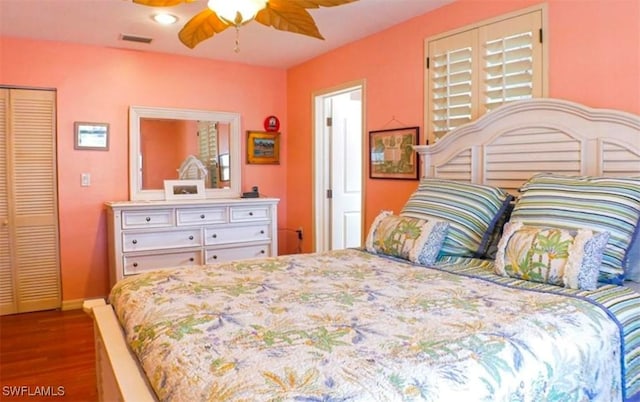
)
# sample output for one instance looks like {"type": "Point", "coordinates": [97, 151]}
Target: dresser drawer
{"type": "Point", "coordinates": [147, 219]}
{"type": "Point", "coordinates": [134, 264]}
{"type": "Point", "coordinates": [235, 234]}
{"type": "Point", "coordinates": [140, 241]}
{"type": "Point", "coordinates": [202, 216]}
{"type": "Point", "coordinates": [236, 253]}
{"type": "Point", "coordinates": [251, 213]}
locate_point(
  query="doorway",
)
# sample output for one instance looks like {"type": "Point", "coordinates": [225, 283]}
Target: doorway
{"type": "Point", "coordinates": [338, 154]}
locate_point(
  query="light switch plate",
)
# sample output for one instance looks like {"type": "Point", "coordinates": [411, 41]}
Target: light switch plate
{"type": "Point", "coordinates": [85, 179]}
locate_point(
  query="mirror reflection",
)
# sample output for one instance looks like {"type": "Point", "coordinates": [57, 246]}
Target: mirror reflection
{"type": "Point", "coordinates": [184, 149]}
{"type": "Point", "coordinates": [174, 144]}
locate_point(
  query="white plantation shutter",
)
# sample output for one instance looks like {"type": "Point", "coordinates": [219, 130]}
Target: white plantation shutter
{"type": "Point", "coordinates": [208, 149]}
{"type": "Point", "coordinates": [511, 60]}
{"type": "Point", "coordinates": [208, 137]}
{"type": "Point", "coordinates": [478, 69]}
{"type": "Point", "coordinates": [452, 63]}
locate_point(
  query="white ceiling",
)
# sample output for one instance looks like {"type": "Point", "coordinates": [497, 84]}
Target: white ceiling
{"type": "Point", "coordinates": [101, 22]}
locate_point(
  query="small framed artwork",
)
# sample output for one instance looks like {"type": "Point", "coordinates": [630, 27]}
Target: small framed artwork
{"type": "Point", "coordinates": [91, 136]}
{"type": "Point", "coordinates": [184, 190]}
{"type": "Point", "coordinates": [263, 147]}
{"type": "Point", "coordinates": [391, 153]}
{"type": "Point", "coordinates": [224, 167]}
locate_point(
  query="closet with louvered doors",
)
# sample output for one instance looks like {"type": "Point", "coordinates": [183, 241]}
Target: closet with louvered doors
{"type": "Point", "coordinates": [29, 239]}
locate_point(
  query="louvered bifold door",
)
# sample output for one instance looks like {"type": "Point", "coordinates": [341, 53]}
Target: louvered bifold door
{"type": "Point", "coordinates": [511, 62]}
{"type": "Point", "coordinates": [8, 302]}
{"type": "Point", "coordinates": [452, 62]}
{"type": "Point", "coordinates": [33, 199]}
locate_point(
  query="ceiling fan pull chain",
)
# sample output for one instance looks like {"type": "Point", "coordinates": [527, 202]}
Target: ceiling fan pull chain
{"type": "Point", "coordinates": [237, 47]}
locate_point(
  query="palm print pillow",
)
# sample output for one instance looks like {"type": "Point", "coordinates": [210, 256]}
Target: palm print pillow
{"type": "Point", "coordinates": [414, 239]}
{"type": "Point", "coordinates": [569, 258]}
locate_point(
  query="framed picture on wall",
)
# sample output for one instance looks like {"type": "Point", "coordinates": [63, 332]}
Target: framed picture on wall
{"type": "Point", "coordinates": [91, 136]}
{"type": "Point", "coordinates": [391, 154]}
{"type": "Point", "coordinates": [263, 147]}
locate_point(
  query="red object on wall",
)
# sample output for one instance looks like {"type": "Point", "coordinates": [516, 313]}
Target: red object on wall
{"type": "Point", "coordinates": [271, 123]}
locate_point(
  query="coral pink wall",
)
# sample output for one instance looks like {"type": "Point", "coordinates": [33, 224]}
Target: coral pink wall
{"type": "Point", "coordinates": [164, 145]}
{"type": "Point", "coordinates": [99, 84]}
{"type": "Point", "coordinates": [594, 59]}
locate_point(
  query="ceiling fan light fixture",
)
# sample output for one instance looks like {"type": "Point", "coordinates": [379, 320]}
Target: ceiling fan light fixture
{"type": "Point", "coordinates": [236, 12]}
{"type": "Point", "coordinates": [165, 18]}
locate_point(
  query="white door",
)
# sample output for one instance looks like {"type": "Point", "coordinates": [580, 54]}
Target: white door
{"type": "Point", "coordinates": [339, 170]}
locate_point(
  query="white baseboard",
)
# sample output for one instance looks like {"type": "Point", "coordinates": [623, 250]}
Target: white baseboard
{"type": "Point", "coordinates": [75, 304]}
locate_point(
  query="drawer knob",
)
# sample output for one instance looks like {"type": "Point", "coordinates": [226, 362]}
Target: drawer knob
{"type": "Point", "coordinates": [215, 257]}
{"type": "Point", "coordinates": [262, 232]}
{"type": "Point", "coordinates": [214, 235]}
{"type": "Point", "coordinates": [134, 241]}
{"type": "Point", "coordinates": [191, 259]}
{"type": "Point", "coordinates": [261, 251]}
{"type": "Point", "coordinates": [202, 216]}
{"type": "Point", "coordinates": [148, 219]}
{"type": "Point", "coordinates": [135, 264]}
{"type": "Point", "coordinates": [250, 213]}
{"type": "Point", "coordinates": [190, 237]}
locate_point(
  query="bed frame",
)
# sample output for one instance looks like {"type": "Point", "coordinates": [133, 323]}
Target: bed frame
{"type": "Point", "coordinates": [507, 146]}
{"type": "Point", "coordinates": [503, 148]}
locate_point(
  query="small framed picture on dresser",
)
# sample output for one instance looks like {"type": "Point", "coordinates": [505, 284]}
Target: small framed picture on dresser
{"type": "Point", "coordinates": [184, 190]}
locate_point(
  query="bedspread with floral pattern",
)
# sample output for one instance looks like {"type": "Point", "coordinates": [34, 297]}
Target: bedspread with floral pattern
{"type": "Point", "coordinates": [351, 326]}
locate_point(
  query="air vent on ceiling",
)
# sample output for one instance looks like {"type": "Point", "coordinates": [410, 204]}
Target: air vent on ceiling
{"type": "Point", "coordinates": [135, 38]}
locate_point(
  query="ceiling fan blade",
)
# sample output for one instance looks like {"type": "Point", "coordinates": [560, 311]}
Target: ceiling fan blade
{"type": "Point", "coordinates": [161, 3]}
{"type": "Point", "coordinates": [321, 3]}
{"type": "Point", "coordinates": [288, 17]}
{"type": "Point", "coordinates": [202, 26]}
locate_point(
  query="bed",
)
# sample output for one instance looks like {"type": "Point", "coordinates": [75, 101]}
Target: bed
{"type": "Point", "coordinates": [505, 277]}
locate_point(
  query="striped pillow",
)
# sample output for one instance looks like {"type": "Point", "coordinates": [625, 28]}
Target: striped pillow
{"type": "Point", "coordinates": [472, 211]}
{"type": "Point", "coordinates": [601, 204]}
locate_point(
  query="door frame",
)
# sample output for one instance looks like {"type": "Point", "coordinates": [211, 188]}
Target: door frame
{"type": "Point", "coordinates": [321, 205]}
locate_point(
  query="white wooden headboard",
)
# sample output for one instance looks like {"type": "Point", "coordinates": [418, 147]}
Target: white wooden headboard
{"type": "Point", "coordinates": [507, 146]}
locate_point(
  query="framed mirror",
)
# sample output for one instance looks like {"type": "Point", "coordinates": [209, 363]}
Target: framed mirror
{"type": "Point", "coordinates": [183, 144]}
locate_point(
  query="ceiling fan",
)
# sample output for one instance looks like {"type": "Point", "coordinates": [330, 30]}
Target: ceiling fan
{"type": "Point", "coordinates": [284, 15]}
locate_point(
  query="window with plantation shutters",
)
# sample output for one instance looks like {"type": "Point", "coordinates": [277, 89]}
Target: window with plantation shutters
{"type": "Point", "coordinates": [208, 149]}
{"type": "Point", "coordinates": [474, 70]}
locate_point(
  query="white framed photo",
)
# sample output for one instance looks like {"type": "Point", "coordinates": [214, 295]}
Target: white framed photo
{"type": "Point", "coordinates": [93, 136]}
{"type": "Point", "coordinates": [184, 190]}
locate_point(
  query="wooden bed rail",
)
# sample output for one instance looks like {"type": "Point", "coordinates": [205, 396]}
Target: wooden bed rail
{"type": "Point", "coordinates": [118, 375]}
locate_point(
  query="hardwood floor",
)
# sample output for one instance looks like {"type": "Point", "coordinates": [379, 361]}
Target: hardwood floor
{"type": "Point", "coordinates": [47, 356]}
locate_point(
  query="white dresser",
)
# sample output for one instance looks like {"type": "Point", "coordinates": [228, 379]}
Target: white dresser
{"type": "Point", "coordinates": [146, 235]}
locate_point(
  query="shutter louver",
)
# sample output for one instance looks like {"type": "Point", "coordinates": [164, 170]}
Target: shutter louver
{"type": "Point", "coordinates": [508, 65]}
